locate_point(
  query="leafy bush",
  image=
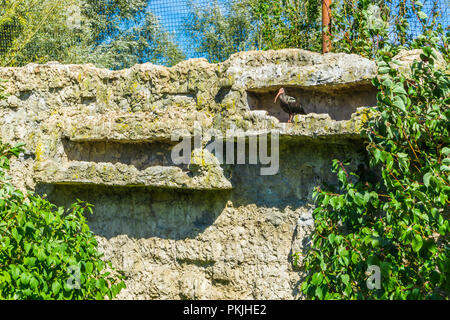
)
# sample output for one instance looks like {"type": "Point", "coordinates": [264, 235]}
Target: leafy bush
{"type": "Point", "coordinates": [46, 252]}
{"type": "Point", "coordinates": [111, 34]}
{"type": "Point", "coordinates": [397, 222]}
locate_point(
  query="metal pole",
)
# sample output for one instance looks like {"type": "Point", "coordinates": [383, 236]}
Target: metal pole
{"type": "Point", "coordinates": [326, 23]}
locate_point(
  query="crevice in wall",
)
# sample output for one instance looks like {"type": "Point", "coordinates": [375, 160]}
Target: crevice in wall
{"type": "Point", "coordinates": [220, 282]}
{"type": "Point", "coordinates": [221, 94]}
{"type": "Point", "coordinates": [88, 100]}
{"type": "Point", "coordinates": [196, 262]}
{"type": "Point", "coordinates": [143, 213]}
{"type": "Point", "coordinates": [24, 95]}
{"type": "Point", "coordinates": [139, 155]}
{"type": "Point", "coordinates": [339, 103]}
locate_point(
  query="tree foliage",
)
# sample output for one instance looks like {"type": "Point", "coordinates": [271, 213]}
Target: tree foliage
{"type": "Point", "coordinates": [113, 34]}
{"type": "Point", "coordinates": [288, 23]}
{"type": "Point", "coordinates": [358, 26]}
{"type": "Point", "coordinates": [220, 32]}
{"type": "Point", "coordinates": [398, 222]}
{"type": "Point", "coordinates": [254, 25]}
{"type": "Point", "coordinates": [364, 26]}
{"type": "Point", "coordinates": [48, 252]}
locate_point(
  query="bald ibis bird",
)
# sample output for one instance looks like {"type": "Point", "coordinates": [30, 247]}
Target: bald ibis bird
{"type": "Point", "coordinates": [289, 104]}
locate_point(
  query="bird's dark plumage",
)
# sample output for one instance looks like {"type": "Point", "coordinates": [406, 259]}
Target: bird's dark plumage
{"type": "Point", "coordinates": [289, 104]}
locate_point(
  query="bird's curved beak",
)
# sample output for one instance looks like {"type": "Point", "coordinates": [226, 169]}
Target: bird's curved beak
{"type": "Point", "coordinates": [278, 94]}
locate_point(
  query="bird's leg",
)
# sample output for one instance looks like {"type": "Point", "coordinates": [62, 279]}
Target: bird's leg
{"type": "Point", "coordinates": [290, 118]}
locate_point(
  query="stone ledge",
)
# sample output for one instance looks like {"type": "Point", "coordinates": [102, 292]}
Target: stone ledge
{"type": "Point", "coordinates": [254, 123]}
{"type": "Point", "coordinates": [108, 174]}
{"type": "Point", "coordinates": [262, 70]}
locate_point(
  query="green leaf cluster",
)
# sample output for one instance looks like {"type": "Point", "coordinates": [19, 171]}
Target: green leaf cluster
{"type": "Point", "coordinates": [244, 25]}
{"type": "Point", "coordinates": [112, 34]}
{"type": "Point", "coordinates": [358, 26]}
{"type": "Point", "coordinates": [48, 252]}
{"type": "Point", "coordinates": [395, 214]}
{"type": "Point", "coordinates": [219, 31]}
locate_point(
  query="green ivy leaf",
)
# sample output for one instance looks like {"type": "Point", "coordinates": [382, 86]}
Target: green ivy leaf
{"type": "Point", "coordinates": [422, 15]}
{"type": "Point", "coordinates": [30, 261]}
{"type": "Point", "coordinates": [24, 278]}
{"type": "Point", "coordinates": [398, 89]}
{"type": "Point", "coordinates": [417, 243]}
{"type": "Point", "coordinates": [89, 267]}
{"type": "Point", "coordinates": [345, 279]}
{"type": "Point", "coordinates": [319, 293]}
{"type": "Point", "coordinates": [5, 278]}
{"type": "Point", "coordinates": [56, 287]}
{"type": "Point", "coordinates": [355, 257]}
{"type": "Point", "coordinates": [317, 278]}
{"type": "Point", "coordinates": [387, 83]}
{"type": "Point", "coordinates": [383, 70]}
{"type": "Point", "coordinates": [33, 283]}
{"type": "Point", "coordinates": [27, 247]}
{"type": "Point", "coordinates": [15, 272]}
{"type": "Point", "coordinates": [426, 179]}
{"type": "Point", "coordinates": [398, 102]}
{"type": "Point", "coordinates": [331, 237]}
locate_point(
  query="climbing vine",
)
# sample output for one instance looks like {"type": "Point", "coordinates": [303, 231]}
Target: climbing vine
{"type": "Point", "coordinates": [394, 217]}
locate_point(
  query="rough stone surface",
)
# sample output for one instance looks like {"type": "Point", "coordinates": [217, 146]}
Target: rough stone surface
{"type": "Point", "coordinates": [202, 230]}
{"type": "Point", "coordinates": [405, 58]}
{"type": "Point", "coordinates": [106, 174]}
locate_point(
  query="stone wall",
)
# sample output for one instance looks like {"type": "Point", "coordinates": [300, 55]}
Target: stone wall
{"type": "Point", "coordinates": [203, 230]}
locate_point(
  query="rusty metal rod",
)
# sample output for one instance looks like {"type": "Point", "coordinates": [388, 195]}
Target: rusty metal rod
{"type": "Point", "coordinates": [326, 24]}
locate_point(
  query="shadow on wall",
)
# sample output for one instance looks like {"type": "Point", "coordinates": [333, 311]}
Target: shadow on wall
{"type": "Point", "coordinates": [179, 214]}
{"type": "Point", "coordinates": [303, 165]}
{"type": "Point", "coordinates": [143, 212]}
{"type": "Point", "coordinates": [140, 155]}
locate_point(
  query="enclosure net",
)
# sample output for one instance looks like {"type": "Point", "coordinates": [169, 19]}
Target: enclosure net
{"type": "Point", "coordinates": [172, 17]}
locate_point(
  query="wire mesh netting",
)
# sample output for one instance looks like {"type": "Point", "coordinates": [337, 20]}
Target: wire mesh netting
{"type": "Point", "coordinates": [7, 33]}
{"type": "Point", "coordinates": [437, 10]}
{"type": "Point", "coordinates": [173, 16]}
{"type": "Point", "coordinates": [119, 33]}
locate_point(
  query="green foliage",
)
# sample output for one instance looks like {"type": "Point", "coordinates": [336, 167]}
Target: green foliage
{"type": "Point", "coordinates": [255, 24]}
{"type": "Point", "coordinates": [398, 221]}
{"type": "Point", "coordinates": [219, 32]}
{"type": "Point", "coordinates": [118, 34]}
{"type": "Point", "coordinates": [365, 26]}
{"type": "Point", "coordinates": [288, 23]}
{"type": "Point", "coordinates": [45, 251]}
{"type": "Point", "coordinates": [113, 34]}
{"type": "Point", "coordinates": [358, 26]}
